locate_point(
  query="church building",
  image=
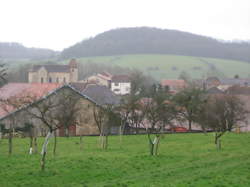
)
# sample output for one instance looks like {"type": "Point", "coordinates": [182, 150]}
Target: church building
{"type": "Point", "coordinates": [54, 73]}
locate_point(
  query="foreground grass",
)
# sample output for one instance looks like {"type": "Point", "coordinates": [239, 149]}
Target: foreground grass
{"type": "Point", "coordinates": [184, 160]}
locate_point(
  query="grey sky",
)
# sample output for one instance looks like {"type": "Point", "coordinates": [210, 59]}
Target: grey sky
{"type": "Point", "coordinates": [57, 24]}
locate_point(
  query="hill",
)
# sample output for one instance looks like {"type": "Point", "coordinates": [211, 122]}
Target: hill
{"type": "Point", "coordinates": [171, 66]}
{"type": "Point", "coordinates": [18, 51]}
{"type": "Point", "coordinates": [146, 40]}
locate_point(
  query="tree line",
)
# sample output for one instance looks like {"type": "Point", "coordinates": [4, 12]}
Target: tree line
{"type": "Point", "coordinates": [146, 40]}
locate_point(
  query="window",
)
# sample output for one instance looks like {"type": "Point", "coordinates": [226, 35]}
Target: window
{"type": "Point", "coordinates": [64, 79]}
{"type": "Point", "coordinates": [116, 84]}
{"type": "Point", "coordinates": [57, 80]}
{"type": "Point", "coordinates": [41, 79]}
{"type": "Point", "coordinates": [127, 89]}
{"type": "Point", "coordinates": [116, 90]}
{"type": "Point", "coordinates": [72, 70]}
{"type": "Point", "coordinates": [50, 79]}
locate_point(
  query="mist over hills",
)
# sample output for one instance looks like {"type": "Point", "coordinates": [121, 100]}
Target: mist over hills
{"type": "Point", "coordinates": [147, 40]}
{"type": "Point", "coordinates": [18, 51]}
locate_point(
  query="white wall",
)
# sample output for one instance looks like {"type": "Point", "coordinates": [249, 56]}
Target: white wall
{"type": "Point", "coordinates": [121, 88]}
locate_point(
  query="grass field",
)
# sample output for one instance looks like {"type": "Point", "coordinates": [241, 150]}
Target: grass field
{"type": "Point", "coordinates": [170, 66]}
{"type": "Point", "coordinates": [184, 160]}
{"type": "Point", "coordinates": [163, 66]}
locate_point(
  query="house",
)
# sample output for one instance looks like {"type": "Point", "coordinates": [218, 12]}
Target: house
{"type": "Point", "coordinates": [103, 78]}
{"type": "Point", "coordinates": [174, 85]}
{"type": "Point", "coordinates": [121, 84]}
{"type": "Point", "coordinates": [224, 83]}
{"type": "Point", "coordinates": [54, 73]}
{"type": "Point", "coordinates": [18, 116]}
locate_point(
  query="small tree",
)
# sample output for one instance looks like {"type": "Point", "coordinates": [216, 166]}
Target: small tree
{"type": "Point", "coordinates": [46, 111]}
{"type": "Point", "coordinates": [221, 113]}
{"type": "Point", "coordinates": [159, 112]}
{"type": "Point", "coordinates": [105, 118]}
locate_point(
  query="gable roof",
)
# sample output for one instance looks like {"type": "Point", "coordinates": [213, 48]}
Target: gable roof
{"type": "Point", "coordinates": [52, 68]}
{"type": "Point", "coordinates": [45, 96]}
{"type": "Point", "coordinates": [214, 90]}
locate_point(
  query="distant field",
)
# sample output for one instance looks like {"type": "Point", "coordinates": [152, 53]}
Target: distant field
{"type": "Point", "coordinates": [184, 160]}
{"type": "Point", "coordinates": [169, 66]}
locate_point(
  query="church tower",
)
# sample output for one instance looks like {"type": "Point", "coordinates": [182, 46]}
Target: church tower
{"type": "Point", "coordinates": [73, 70]}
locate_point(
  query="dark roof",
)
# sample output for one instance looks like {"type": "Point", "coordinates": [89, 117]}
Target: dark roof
{"type": "Point", "coordinates": [240, 82]}
{"type": "Point", "coordinates": [101, 94]}
{"type": "Point", "coordinates": [238, 90]}
{"type": "Point", "coordinates": [214, 90]}
{"type": "Point", "coordinates": [79, 86]}
{"type": "Point", "coordinates": [120, 78]}
{"type": "Point", "coordinates": [52, 68]}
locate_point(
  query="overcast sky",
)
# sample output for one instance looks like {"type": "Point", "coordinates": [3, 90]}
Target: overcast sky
{"type": "Point", "coordinates": [57, 24]}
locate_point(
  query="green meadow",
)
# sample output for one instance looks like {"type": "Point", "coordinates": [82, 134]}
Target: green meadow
{"type": "Point", "coordinates": [160, 66]}
{"type": "Point", "coordinates": [170, 66]}
{"type": "Point", "coordinates": [183, 160]}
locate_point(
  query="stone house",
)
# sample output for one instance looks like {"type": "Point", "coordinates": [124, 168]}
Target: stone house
{"type": "Point", "coordinates": [54, 73]}
{"type": "Point", "coordinates": [17, 117]}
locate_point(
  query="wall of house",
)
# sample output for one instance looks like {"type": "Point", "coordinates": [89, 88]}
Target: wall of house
{"type": "Point", "coordinates": [121, 88]}
{"type": "Point", "coordinates": [61, 77]}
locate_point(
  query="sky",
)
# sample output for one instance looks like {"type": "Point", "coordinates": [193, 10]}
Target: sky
{"type": "Point", "coordinates": [58, 24]}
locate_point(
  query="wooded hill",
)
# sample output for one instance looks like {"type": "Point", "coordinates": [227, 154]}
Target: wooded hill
{"type": "Point", "coordinates": [18, 51]}
{"type": "Point", "coordinates": [146, 40]}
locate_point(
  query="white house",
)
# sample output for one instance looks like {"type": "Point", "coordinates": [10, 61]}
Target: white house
{"type": "Point", "coordinates": [120, 84]}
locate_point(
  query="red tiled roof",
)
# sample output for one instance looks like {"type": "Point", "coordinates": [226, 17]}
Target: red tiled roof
{"type": "Point", "coordinates": [174, 83]}
{"type": "Point", "coordinates": [22, 90]}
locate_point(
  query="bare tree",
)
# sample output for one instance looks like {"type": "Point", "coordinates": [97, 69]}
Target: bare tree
{"type": "Point", "coordinates": [159, 112]}
{"type": "Point", "coordinates": [189, 101]}
{"type": "Point", "coordinates": [46, 111]}
{"type": "Point", "coordinates": [105, 117]}
{"type": "Point", "coordinates": [221, 113]}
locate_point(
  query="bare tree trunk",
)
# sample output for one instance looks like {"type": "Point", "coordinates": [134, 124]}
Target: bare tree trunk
{"type": "Point", "coordinates": [121, 136]}
{"type": "Point", "coordinates": [10, 141]}
{"type": "Point", "coordinates": [55, 143]}
{"type": "Point", "coordinates": [105, 141]}
{"type": "Point", "coordinates": [151, 145]}
{"type": "Point", "coordinates": [44, 150]}
{"type": "Point", "coordinates": [189, 125]}
{"type": "Point", "coordinates": [35, 145]}
{"type": "Point", "coordinates": [31, 145]}
{"type": "Point", "coordinates": [156, 144]}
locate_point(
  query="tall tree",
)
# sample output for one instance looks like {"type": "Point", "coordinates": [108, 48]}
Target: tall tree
{"type": "Point", "coordinates": [189, 101]}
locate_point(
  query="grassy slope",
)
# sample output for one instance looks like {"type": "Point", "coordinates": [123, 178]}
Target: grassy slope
{"type": "Point", "coordinates": [184, 160]}
{"type": "Point", "coordinates": [165, 63]}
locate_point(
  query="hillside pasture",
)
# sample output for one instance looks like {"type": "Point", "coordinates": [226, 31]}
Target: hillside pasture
{"type": "Point", "coordinates": [184, 160]}
{"type": "Point", "coordinates": [170, 66]}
